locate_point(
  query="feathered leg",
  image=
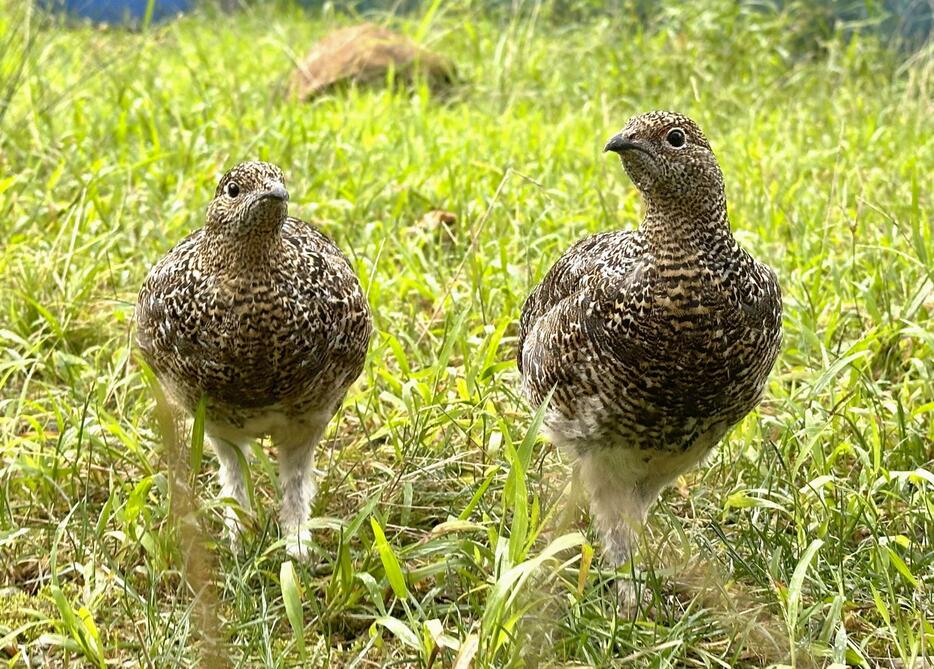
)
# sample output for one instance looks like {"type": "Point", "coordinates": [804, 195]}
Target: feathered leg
{"type": "Point", "coordinates": [620, 497]}
{"type": "Point", "coordinates": [233, 485]}
{"type": "Point", "coordinates": [296, 449]}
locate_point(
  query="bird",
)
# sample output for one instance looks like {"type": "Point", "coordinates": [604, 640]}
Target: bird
{"type": "Point", "coordinates": [262, 317]}
{"type": "Point", "coordinates": [650, 344]}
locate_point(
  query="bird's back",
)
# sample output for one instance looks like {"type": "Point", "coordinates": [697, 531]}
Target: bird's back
{"type": "Point", "coordinates": [575, 275]}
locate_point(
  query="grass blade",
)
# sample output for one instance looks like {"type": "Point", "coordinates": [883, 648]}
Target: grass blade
{"type": "Point", "coordinates": [292, 598]}
{"type": "Point", "coordinates": [390, 562]}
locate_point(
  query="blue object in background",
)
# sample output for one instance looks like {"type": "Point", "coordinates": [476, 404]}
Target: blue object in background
{"type": "Point", "coordinates": [118, 11]}
{"type": "Point", "coordinates": [911, 22]}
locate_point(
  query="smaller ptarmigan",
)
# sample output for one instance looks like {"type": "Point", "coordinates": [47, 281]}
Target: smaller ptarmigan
{"type": "Point", "coordinates": [656, 341]}
{"type": "Point", "coordinates": [262, 315]}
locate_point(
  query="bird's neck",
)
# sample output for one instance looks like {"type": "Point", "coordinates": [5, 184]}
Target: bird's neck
{"type": "Point", "coordinates": [241, 252]}
{"type": "Point", "coordinates": [686, 227]}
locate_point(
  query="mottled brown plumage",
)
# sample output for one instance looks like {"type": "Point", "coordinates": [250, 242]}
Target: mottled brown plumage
{"type": "Point", "coordinates": [263, 316]}
{"type": "Point", "coordinates": [656, 341]}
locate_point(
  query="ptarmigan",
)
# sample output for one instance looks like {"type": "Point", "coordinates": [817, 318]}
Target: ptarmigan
{"type": "Point", "coordinates": [263, 316]}
{"type": "Point", "coordinates": [656, 341]}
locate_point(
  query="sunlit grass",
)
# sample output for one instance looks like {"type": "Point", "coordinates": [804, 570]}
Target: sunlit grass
{"type": "Point", "coordinates": [443, 527]}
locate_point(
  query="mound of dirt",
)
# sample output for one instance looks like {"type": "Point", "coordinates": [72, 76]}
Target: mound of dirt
{"type": "Point", "coordinates": [363, 54]}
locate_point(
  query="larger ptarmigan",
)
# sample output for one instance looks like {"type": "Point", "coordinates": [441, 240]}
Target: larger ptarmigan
{"type": "Point", "coordinates": [263, 316]}
{"type": "Point", "coordinates": [656, 341]}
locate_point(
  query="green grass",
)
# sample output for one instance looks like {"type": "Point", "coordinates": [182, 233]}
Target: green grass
{"type": "Point", "coordinates": [808, 540]}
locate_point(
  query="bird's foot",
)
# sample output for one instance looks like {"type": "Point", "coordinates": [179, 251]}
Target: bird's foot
{"type": "Point", "coordinates": [298, 545]}
{"type": "Point", "coordinates": [632, 598]}
{"type": "Point", "coordinates": [235, 529]}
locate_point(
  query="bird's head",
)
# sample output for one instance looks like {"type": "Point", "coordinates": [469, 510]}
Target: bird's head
{"type": "Point", "coordinates": [668, 159]}
{"type": "Point", "coordinates": [250, 199]}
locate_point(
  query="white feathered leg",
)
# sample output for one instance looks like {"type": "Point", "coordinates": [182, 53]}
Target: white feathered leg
{"type": "Point", "coordinates": [296, 449]}
{"type": "Point", "coordinates": [620, 497]}
{"type": "Point", "coordinates": [233, 485]}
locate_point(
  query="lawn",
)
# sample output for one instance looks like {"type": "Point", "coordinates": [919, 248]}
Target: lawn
{"type": "Point", "coordinates": [446, 531]}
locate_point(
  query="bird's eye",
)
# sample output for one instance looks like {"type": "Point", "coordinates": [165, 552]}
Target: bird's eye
{"type": "Point", "coordinates": [233, 189]}
{"type": "Point", "coordinates": [675, 137]}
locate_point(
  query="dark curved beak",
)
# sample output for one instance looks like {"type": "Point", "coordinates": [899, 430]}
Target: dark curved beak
{"type": "Point", "coordinates": [620, 143]}
{"type": "Point", "coordinates": [275, 191]}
